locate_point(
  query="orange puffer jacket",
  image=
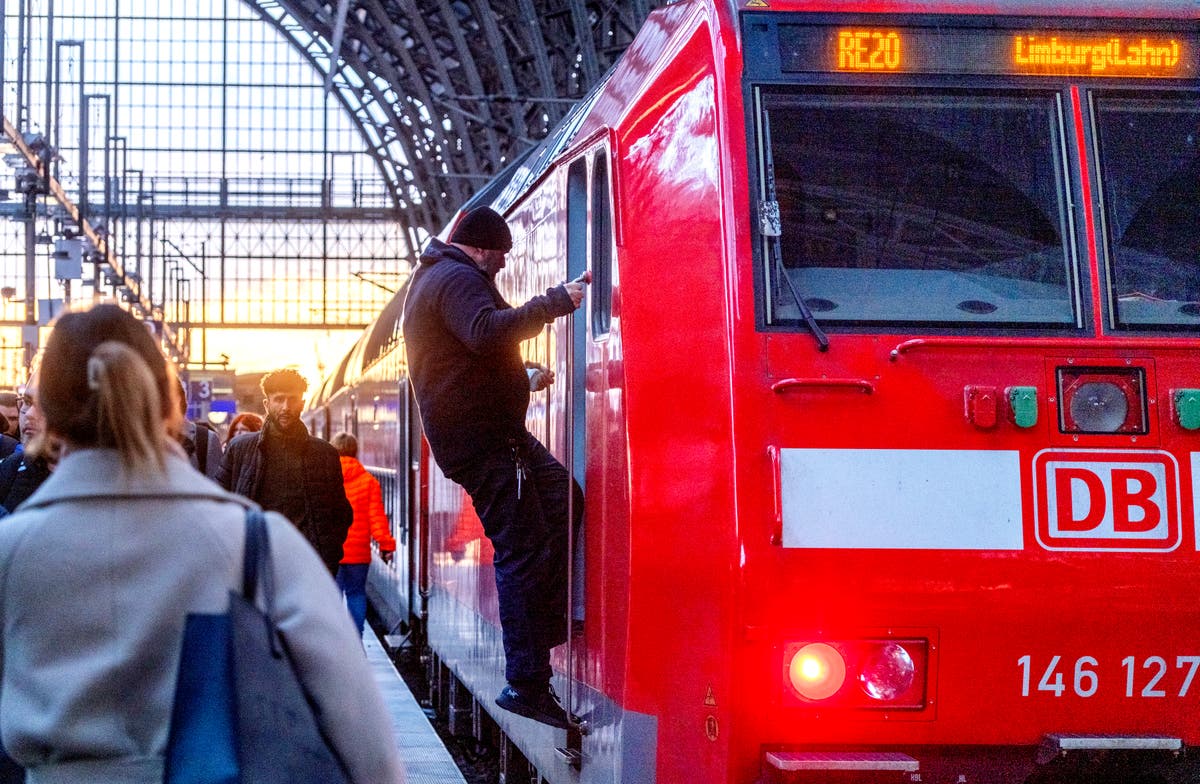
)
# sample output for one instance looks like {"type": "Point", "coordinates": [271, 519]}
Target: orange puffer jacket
{"type": "Point", "coordinates": [370, 522]}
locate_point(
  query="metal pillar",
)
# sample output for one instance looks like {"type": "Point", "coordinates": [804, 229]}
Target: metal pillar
{"type": "Point", "coordinates": [84, 140]}
{"type": "Point", "coordinates": [58, 47]}
{"type": "Point", "coordinates": [29, 334]}
{"type": "Point", "coordinates": [118, 147]}
{"type": "Point", "coordinates": [48, 152]}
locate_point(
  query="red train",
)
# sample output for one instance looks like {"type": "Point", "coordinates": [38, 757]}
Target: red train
{"type": "Point", "coordinates": [885, 399]}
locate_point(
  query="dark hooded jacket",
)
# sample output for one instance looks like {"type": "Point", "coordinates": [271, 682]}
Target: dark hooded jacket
{"type": "Point", "coordinates": [8, 445]}
{"type": "Point", "coordinates": [20, 475]}
{"type": "Point", "coordinates": [326, 514]}
{"type": "Point", "coordinates": [463, 343]}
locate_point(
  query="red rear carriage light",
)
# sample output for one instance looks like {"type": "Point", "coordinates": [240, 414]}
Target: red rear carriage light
{"type": "Point", "coordinates": [867, 674]}
{"type": "Point", "coordinates": [1100, 400]}
{"type": "Point", "coordinates": [817, 671]}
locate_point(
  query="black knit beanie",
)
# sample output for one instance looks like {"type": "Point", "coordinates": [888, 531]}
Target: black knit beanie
{"type": "Point", "coordinates": [483, 228]}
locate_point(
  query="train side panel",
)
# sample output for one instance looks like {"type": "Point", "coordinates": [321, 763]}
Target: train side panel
{"type": "Point", "coordinates": [677, 310]}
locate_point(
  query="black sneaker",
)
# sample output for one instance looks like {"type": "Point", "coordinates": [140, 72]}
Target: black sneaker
{"type": "Point", "coordinates": [538, 704]}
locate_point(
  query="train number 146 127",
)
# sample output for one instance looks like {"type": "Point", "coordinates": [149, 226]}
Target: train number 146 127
{"type": "Point", "coordinates": [1149, 676]}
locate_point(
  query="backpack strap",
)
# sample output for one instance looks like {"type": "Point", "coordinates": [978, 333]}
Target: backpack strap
{"type": "Point", "coordinates": [256, 563]}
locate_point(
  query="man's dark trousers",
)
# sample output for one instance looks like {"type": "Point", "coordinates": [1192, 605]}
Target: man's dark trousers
{"type": "Point", "coordinates": [529, 535]}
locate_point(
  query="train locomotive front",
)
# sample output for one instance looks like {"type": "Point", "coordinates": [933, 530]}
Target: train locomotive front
{"type": "Point", "coordinates": [885, 400]}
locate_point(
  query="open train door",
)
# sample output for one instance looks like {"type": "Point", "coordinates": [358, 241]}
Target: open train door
{"type": "Point", "coordinates": [589, 248]}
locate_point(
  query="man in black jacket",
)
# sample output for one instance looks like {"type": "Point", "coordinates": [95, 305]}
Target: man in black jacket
{"type": "Point", "coordinates": [21, 473]}
{"type": "Point", "coordinates": [288, 471]}
{"type": "Point", "coordinates": [463, 343]}
{"type": "Point", "coordinates": [10, 432]}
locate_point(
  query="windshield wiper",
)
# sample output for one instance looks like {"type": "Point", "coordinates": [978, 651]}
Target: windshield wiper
{"type": "Point", "coordinates": [771, 227]}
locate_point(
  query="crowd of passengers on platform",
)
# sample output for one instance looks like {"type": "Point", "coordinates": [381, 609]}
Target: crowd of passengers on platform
{"type": "Point", "coordinates": [121, 520]}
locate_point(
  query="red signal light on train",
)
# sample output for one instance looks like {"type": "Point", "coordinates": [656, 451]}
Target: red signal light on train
{"type": "Point", "coordinates": [817, 671]}
{"type": "Point", "coordinates": [1101, 400]}
{"type": "Point", "coordinates": [890, 674]}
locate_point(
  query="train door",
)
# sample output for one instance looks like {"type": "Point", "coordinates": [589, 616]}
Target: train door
{"type": "Point", "coordinates": [575, 407]}
{"type": "Point", "coordinates": [589, 247]}
{"type": "Point", "coordinates": [576, 399]}
{"type": "Point", "coordinates": [407, 530]}
{"type": "Point", "coordinates": [594, 356]}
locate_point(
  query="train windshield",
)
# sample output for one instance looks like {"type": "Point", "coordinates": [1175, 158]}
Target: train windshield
{"type": "Point", "coordinates": [1149, 148]}
{"type": "Point", "coordinates": [902, 207]}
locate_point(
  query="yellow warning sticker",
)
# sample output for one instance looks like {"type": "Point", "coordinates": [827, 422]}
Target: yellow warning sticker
{"type": "Point", "coordinates": [757, 4]}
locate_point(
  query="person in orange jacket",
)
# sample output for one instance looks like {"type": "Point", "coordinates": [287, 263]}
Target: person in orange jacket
{"type": "Point", "coordinates": [370, 522]}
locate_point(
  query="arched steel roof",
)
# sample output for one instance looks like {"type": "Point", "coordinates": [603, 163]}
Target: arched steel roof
{"type": "Point", "coordinates": [449, 92]}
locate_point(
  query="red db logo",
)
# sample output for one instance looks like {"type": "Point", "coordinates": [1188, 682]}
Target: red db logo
{"type": "Point", "coordinates": [1096, 500]}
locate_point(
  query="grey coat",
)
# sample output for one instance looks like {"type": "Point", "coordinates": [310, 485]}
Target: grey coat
{"type": "Point", "coordinates": [212, 457]}
{"type": "Point", "coordinates": [97, 573]}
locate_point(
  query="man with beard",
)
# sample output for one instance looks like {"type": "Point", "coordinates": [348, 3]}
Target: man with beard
{"type": "Point", "coordinates": [286, 470]}
{"type": "Point", "coordinates": [21, 473]}
{"type": "Point", "coordinates": [10, 434]}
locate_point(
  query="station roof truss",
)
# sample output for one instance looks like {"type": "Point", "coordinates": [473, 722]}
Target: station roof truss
{"type": "Point", "coordinates": [447, 93]}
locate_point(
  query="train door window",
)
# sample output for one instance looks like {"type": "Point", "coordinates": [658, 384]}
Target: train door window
{"type": "Point", "coordinates": [577, 262]}
{"type": "Point", "coordinates": [937, 207]}
{"type": "Point", "coordinates": [350, 416]}
{"type": "Point", "coordinates": [409, 450]}
{"type": "Point", "coordinates": [577, 210]}
{"type": "Point", "coordinates": [601, 288]}
{"type": "Point", "coordinates": [1149, 163]}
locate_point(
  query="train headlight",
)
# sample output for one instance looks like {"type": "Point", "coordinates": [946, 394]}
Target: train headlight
{"type": "Point", "coordinates": [887, 672]}
{"type": "Point", "coordinates": [817, 671]}
{"type": "Point", "coordinates": [1099, 407]}
{"type": "Point", "coordinates": [1102, 400]}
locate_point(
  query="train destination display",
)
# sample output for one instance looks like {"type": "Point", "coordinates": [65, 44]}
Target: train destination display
{"type": "Point", "coordinates": [1095, 53]}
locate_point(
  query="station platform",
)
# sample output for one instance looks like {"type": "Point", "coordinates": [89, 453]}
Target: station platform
{"type": "Point", "coordinates": [425, 758]}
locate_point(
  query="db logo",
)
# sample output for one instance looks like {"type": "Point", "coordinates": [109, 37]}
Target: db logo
{"type": "Point", "coordinates": [1095, 500]}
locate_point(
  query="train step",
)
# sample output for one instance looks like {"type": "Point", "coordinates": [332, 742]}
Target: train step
{"type": "Point", "coordinates": [1062, 744]}
{"type": "Point", "coordinates": [795, 766]}
{"type": "Point", "coordinates": [572, 757]}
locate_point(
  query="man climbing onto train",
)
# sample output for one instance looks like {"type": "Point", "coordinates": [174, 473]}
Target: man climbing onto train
{"type": "Point", "coordinates": [463, 343]}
